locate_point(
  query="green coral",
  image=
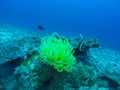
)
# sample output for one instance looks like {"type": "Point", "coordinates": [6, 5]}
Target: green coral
{"type": "Point", "coordinates": [57, 52]}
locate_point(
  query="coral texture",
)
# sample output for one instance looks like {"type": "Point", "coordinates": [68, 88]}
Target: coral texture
{"type": "Point", "coordinates": [57, 52]}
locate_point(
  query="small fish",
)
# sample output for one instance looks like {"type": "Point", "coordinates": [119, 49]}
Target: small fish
{"type": "Point", "coordinates": [40, 27]}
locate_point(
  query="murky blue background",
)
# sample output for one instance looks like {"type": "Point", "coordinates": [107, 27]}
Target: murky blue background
{"type": "Point", "coordinates": [92, 18]}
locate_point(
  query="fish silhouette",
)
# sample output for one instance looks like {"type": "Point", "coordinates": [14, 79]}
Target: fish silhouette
{"type": "Point", "coordinates": [40, 27]}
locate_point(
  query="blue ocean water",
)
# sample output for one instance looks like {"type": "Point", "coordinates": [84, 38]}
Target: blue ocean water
{"type": "Point", "coordinates": [92, 18]}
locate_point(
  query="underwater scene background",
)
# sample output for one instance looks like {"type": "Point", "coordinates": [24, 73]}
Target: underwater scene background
{"type": "Point", "coordinates": [92, 18]}
{"type": "Point", "coordinates": [59, 45]}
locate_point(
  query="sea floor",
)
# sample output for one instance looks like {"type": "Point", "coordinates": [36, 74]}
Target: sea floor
{"type": "Point", "coordinates": [96, 68]}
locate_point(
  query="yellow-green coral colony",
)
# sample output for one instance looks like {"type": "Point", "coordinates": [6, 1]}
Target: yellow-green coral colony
{"type": "Point", "coordinates": [57, 52]}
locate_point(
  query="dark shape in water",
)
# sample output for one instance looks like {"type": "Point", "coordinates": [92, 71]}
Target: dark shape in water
{"type": "Point", "coordinates": [40, 27]}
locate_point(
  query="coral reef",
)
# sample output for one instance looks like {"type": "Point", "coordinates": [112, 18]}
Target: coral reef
{"type": "Point", "coordinates": [34, 74]}
{"type": "Point", "coordinates": [55, 62]}
{"type": "Point", "coordinates": [17, 42]}
{"type": "Point", "coordinates": [81, 76]}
